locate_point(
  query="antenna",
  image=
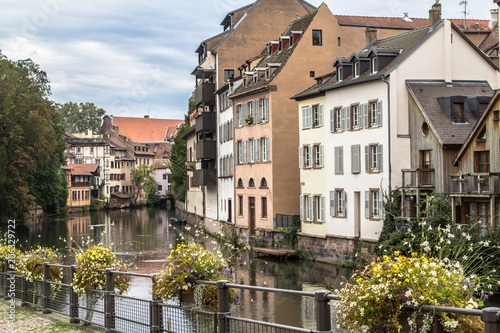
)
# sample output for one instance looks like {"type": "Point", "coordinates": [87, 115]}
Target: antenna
{"type": "Point", "coordinates": [465, 12]}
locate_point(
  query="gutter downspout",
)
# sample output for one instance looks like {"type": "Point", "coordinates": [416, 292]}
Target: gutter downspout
{"type": "Point", "coordinates": [389, 127]}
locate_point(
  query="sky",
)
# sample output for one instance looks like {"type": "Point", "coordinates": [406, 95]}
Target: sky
{"type": "Point", "coordinates": [135, 57]}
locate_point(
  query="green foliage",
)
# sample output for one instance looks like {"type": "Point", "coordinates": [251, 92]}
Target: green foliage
{"type": "Point", "coordinates": [392, 209]}
{"type": "Point", "coordinates": [144, 181]}
{"type": "Point", "coordinates": [290, 233]}
{"type": "Point", "coordinates": [29, 138]}
{"type": "Point", "coordinates": [81, 117]}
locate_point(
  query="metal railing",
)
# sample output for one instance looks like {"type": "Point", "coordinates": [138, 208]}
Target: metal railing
{"type": "Point", "coordinates": [119, 313]}
{"type": "Point", "coordinates": [475, 184]}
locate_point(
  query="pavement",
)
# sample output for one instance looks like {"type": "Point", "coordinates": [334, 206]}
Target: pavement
{"type": "Point", "coordinates": [28, 319]}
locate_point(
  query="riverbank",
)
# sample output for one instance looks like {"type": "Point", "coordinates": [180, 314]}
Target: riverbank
{"type": "Point", "coordinates": [27, 319]}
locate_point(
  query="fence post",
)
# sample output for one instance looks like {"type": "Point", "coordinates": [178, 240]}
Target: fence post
{"type": "Point", "coordinates": [155, 316]}
{"type": "Point", "coordinates": [109, 306]}
{"type": "Point", "coordinates": [73, 299]}
{"type": "Point", "coordinates": [5, 279]}
{"type": "Point", "coordinates": [491, 318]}
{"type": "Point", "coordinates": [223, 305]}
{"type": "Point", "coordinates": [24, 294]}
{"type": "Point", "coordinates": [46, 288]}
{"type": "Point", "coordinates": [323, 316]}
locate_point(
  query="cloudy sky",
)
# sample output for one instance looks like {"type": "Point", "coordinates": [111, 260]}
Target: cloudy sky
{"type": "Point", "coordinates": [134, 57]}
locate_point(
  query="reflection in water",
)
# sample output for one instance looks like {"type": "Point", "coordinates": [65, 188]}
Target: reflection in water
{"type": "Point", "coordinates": [146, 236]}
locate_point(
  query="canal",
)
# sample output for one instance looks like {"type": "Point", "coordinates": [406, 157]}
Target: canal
{"type": "Point", "coordinates": [146, 236]}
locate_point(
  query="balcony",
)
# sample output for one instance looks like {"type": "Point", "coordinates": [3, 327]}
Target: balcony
{"type": "Point", "coordinates": [206, 121]}
{"type": "Point", "coordinates": [80, 184]}
{"type": "Point", "coordinates": [190, 166]}
{"type": "Point", "coordinates": [206, 150]}
{"type": "Point", "coordinates": [205, 177]}
{"type": "Point", "coordinates": [204, 94]}
{"type": "Point", "coordinates": [475, 184]}
{"type": "Point", "coordinates": [423, 179]}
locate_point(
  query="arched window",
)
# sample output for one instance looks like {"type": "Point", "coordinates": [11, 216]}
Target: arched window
{"type": "Point", "coordinates": [251, 183]}
{"type": "Point", "coordinates": [240, 183]}
{"type": "Point", "coordinates": [263, 183]}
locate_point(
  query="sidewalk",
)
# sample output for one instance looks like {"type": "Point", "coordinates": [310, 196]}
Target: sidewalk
{"type": "Point", "coordinates": [28, 320]}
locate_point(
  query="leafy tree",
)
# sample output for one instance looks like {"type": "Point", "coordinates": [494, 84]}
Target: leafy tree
{"type": "Point", "coordinates": [27, 133]}
{"type": "Point", "coordinates": [143, 182]}
{"type": "Point", "coordinates": [81, 117]}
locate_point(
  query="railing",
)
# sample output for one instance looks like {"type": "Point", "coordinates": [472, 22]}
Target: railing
{"type": "Point", "coordinates": [475, 184]}
{"type": "Point", "coordinates": [119, 313]}
{"type": "Point", "coordinates": [283, 221]}
{"type": "Point", "coordinates": [80, 184]}
{"type": "Point", "coordinates": [423, 178]}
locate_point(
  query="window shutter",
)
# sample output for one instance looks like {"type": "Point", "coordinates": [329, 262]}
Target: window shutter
{"type": "Point", "coordinates": [380, 205]}
{"type": "Point", "coordinates": [302, 208]}
{"type": "Point", "coordinates": [300, 158]}
{"type": "Point", "coordinates": [256, 143]}
{"type": "Point", "coordinates": [332, 120]}
{"type": "Point", "coordinates": [256, 104]}
{"type": "Point", "coordinates": [361, 113]}
{"type": "Point", "coordinates": [304, 114]}
{"type": "Point", "coordinates": [344, 210]}
{"type": "Point", "coordinates": [245, 112]}
{"type": "Point", "coordinates": [367, 159]}
{"type": "Point", "coordinates": [355, 159]}
{"type": "Point", "coordinates": [320, 156]}
{"type": "Point", "coordinates": [332, 203]}
{"type": "Point", "coordinates": [380, 160]}
{"type": "Point", "coordinates": [267, 148]}
{"type": "Point", "coordinates": [367, 204]}
{"type": "Point", "coordinates": [342, 119]}
{"type": "Point", "coordinates": [309, 117]}
{"type": "Point", "coordinates": [366, 119]}
{"type": "Point", "coordinates": [266, 108]}
{"type": "Point", "coordinates": [320, 115]}
{"type": "Point", "coordinates": [245, 150]}
{"type": "Point", "coordinates": [310, 208]}
{"type": "Point", "coordinates": [348, 118]}
{"type": "Point", "coordinates": [337, 160]}
{"type": "Point", "coordinates": [379, 113]}
{"type": "Point", "coordinates": [322, 209]}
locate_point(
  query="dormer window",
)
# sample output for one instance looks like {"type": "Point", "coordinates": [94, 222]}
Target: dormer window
{"type": "Point", "coordinates": [284, 41]}
{"type": "Point", "coordinates": [457, 112]}
{"type": "Point", "coordinates": [357, 69]}
{"type": "Point", "coordinates": [339, 74]}
{"type": "Point", "coordinates": [374, 65]}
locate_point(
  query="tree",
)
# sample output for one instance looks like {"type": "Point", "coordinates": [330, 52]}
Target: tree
{"type": "Point", "coordinates": [28, 135]}
{"type": "Point", "coordinates": [81, 117]}
{"type": "Point", "coordinates": [143, 182]}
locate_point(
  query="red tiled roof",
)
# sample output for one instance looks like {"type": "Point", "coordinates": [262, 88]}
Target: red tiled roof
{"type": "Point", "coordinates": [83, 169]}
{"type": "Point", "coordinates": [398, 23]}
{"type": "Point", "coordinates": [490, 44]}
{"type": "Point", "coordinates": [146, 129]}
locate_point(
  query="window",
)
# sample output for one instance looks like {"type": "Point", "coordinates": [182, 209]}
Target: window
{"type": "Point", "coordinates": [457, 113]}
{"type": "Point", "coordinates": [339, 203]}
{"type": "Point", "coordinates": [375, 114]}
{"type": "Point", "coordinates": [263, 207]}
{"type": "Point", "coordinates": [481, 212]}
{"type": "Point", "coordinates": [319, 203]}
{"type": "Point", "coordinates": [481, 137]}
{"type": "Point", "coordinates": [374, 65]}
{"type": "Point", "coordinates": [312, 74]}
{"type": "Point", "coordinates": [91, 150]}
{"type": "Point", "coordinates": [251, 183]}
{"type": "Point", "coordinates": [373, 158]}
{"type": "Point", "coordinates": [339, 160]}
{"type": "Point", "coordinates": [240, 205]}
{"type": "Point", "coordinates": [264, 149]}
{"type": "Point", "coordinates": [338, 41]}
{"type": "Point", "coordinates": [228, 74]}
{"type": "Point", "coordinates": [426, 165]}
{"type": "Point", "coordinates": [307, 157]}
{"type": "Point", "coordinates": [373, 204]}
{"type": "Point", "coordinates": [317, 37]}
{"type": "Point", "coordinates": [306, 117]}
{"type": "Point", "coordinates": [159, 187]}
{"type": "Point", "coordinates": [239, 145]}
{"type": "Point", "coordinates": [264, 110]}
{"type": "Point", "coordinates": [355, 159]}
{"type": "Point", "coordinates": [318, 156]}
{"type": "Point", "coordinates": [309, 208]}
{"type": "Point", "coordinates": [263, 183]}
{"type": "Point", "coordinates": [481, 161]}
{"type": "Point", "coordinates": [317, 115]}
{"type": "Point", "coordinates": [338, 120]}
{"type": "Point", "coordinates": [251, 148]}
{"type": "Point", "coordinates": [355, 117]}
{"type": "Point", "coordinates": [496, 115]}
{"type": "Point", "coordinates": [78, 150]}
{"type": "Point", "coordinates": [340, 74]}
{"type": "Point", "coordinates": [357, 69]}
{"type": "Point", "coordinates": [240, 183]}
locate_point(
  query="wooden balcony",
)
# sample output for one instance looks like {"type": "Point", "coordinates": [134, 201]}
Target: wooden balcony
{"type": "Point", "coordinates": [206, 121]}
{"type": "Point", "coordinates": [205, 177]}
{"type": "Point", "coordinates": [474, 184]}
{"type": "Point", "coordinates": [206, 150]}
{"type": "Point", "coordinates": [422, 179]}
{"type": "Point", "coordinates": [204, 94]}
{"type": "Point", "coordinates": [80, 184]}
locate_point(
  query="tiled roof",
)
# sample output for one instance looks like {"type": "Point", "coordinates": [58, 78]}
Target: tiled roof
{"type": "Point", "coordinates": [279, 57]}
{"type": "Point", "coordinates": [426, 94]}
{"type": "Point", "coordinates": [398, 23]}
{"type": "Point", "coordinates": [490, 44]}
{"type": "Point", "coordinates": [83, 169]}
{"type": "Point", "coordinates": [315, 89]}
{"type": "Point", "coordinates": [146, 129]}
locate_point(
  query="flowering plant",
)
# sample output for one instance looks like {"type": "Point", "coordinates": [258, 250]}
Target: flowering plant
{"type": "Point", "coordinates": [95, 258]}
{"type": "Point", "coordinates": [185, 265]}
{"type": "Point", "coordinates": [30, 264]}
{"type": "Point", "coordinates": [8, 252]}
{"type": "Point", "coordinates": [374, 300]}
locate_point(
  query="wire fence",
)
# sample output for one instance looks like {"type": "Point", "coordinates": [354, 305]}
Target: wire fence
{"type": "Point", "coordinates": [120, 313]}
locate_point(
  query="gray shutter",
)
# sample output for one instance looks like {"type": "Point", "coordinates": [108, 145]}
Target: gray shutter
{"type": "Point", "coordinates": [266, 112]}
{"type": "Point", "coordinates": [348, 118]}
{"type": "Point", "coordinates": [302, 208]}
{"type": "Point", "coordinates": [322, 209]}
{"type": "Point", "coordinates": [332, 203]}
{"type": "Point", "coordinates": [344, 210]}
{"type": "Point", "coordinates": [256, 144]}
{"type": "Point", "coordinates": [367, 159]}
{"type": "Point", "coordinates": [379, 113]}
{"type": "Point", "coordinates": [367, 204]}
{"type": "Point", "coordinates": [361, 113]}
{"type": "Point", "coordinates": [380, 158]}
{"type": "Point", "coordinates": [366, 120]}
{"type": "Point", "coordinates": [301, 158]}
{"type": "Point", "coordinates": [245, 112]}
{"type": "Point", "coordinates": [320, 156]}
{"type": "Point", "coordinates": [304, 113]}
{"type": "Point", "coordinates": [342, 119]}
{"type": "Point", "coordinates": [355, 167]}
{"type": "Point", "coordinates": [332, 120]}
{"type": "Point", "coordinates": [257, 111]}
{"type": "Point", "coordinates": [381, 205]}
{"type": "Point", "coordinates": [320, 112]}
{"type": "Point", "coordinates": [337, 160]}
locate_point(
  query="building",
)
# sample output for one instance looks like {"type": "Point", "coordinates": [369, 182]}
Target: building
{"type": "Point", "coordinates": [442, 115]}
{"type": "Point", "coordinates": [368, 132]}
{"type": "Point", "coordinates": [81, 179]}
{"type": "Point", "coordinates": [475, 187]}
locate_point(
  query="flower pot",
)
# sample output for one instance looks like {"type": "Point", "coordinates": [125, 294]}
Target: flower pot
{"type": "Point", "coordinates": [187, 296]}
{"type": "Point", "coordinates": [437, 327]}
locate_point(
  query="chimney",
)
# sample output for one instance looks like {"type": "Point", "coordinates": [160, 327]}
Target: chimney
{"type": "Point", "coordinates": [435, 14]}
{"type": "Point", "coordinates": [371, 35]}
{"type": "Point", "coordinates": [494, 18]}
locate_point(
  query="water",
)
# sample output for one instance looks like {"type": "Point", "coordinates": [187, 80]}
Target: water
{"type": "Point", "coordinates": [146, 236]}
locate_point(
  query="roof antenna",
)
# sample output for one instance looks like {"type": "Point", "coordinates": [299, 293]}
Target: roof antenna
{"type": "Point", "coordinates": [465, 12]}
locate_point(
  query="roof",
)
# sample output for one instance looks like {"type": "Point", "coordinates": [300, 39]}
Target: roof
{"type": "Point", "coordinates": [88, 169]}
{"type": "Point", "coordinates": [314, 90]}
{"type": "Point", "coordinates": [476, 128]}
{"type": "Point", "coordinates": [427, 95]}
{"type": "Point", "coordinates": [279, 57]}
{"type": "Point", "coordinates": [399, 23]}
{"type": "Point", "coordinates": [147, 129]}
{"type": "Point", "coordinates": [490, 44]}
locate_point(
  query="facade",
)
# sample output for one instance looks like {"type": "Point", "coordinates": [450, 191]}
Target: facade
{"type": "Point", "coordinates": [368, 134]}
{"type": "Point", "coordinates": [442, 115]}
{"type": "Point", "coordinates": [475, 187]}
{"type": "Point", "coordinates": [81, 178]}
{"type": "Point", "coordinates": [163, 178]}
